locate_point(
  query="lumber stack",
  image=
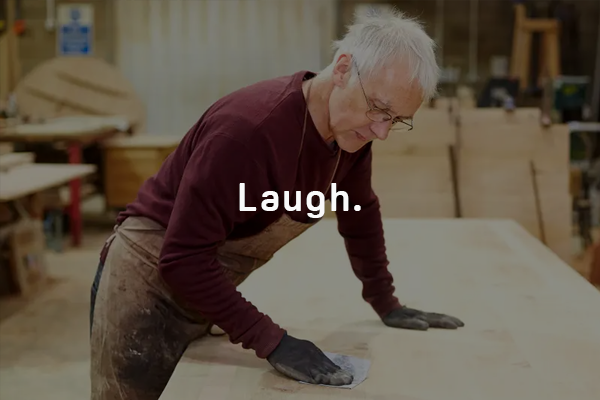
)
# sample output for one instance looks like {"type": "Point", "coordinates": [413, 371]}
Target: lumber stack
{"type": "Point", "coordinates": [479, 163]}
{"type": "Point", "coordinates": [512, 167]}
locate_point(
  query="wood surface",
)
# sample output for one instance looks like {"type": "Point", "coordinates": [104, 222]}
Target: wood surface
{"type": "Point", "coordinates": [496, 151]}
{"type": "Point", "coordinates": [414, 186]}
{"type": "Point", "coordinates": [143, 142]}
{"type": "Point", "coordinates": [11, 160]}
{"type": "Point", "coordinates": [33, 178]}
{"type": "Point", "coordinates": [82, 129]}
{"type": "Point", "coordinates": [532, 322]}
{"type": "Point", "coordinates": [6, 148]}
{"type": "Point", "coordinates": [76, 86]}
{"type": "Point", "coordinates": [412, 171]}
{"type": "Point", "coordinates": [130, 161]}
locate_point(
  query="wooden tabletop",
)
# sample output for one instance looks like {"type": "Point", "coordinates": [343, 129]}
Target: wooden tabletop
{"type": "Point", "coordinates": [70, 129]}
{"type": "Point", "coordinates": [532, 323]}
{"type": "Point", "coordinates": [144, 141]}
{"type": "Point", "coordinates": [11, 160]}
{"type": "Point", "coordinates": [28, 179]}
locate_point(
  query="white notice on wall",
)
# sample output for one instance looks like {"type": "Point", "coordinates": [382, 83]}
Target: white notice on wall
{"type": "Point", "coordinates": [75, 35]}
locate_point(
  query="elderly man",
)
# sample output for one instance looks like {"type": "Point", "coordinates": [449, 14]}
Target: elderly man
{"type": "Point", "coordinates": [171, 269]}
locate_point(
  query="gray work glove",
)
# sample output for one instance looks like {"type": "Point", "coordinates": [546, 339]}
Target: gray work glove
{"type": "Point", "coordinates": [409, 318]}
{"type": "Point", "coordinates": [303, 361]}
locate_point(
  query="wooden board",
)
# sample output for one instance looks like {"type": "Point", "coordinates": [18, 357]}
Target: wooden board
{"type": "Point", "coordinates": [143, 142]}
{"type": "Point", "coordinates": [11, 160]}
{"type": "Point", "coordinates": [498, 188]}
{"type": "Point", "coordinates": [496, 133]}
{"type": "Point", "coordinates": [494, 152]}
{"type": "Point", "coordinates": [415, 186]}
{"type": "Point", "coordinates": [33, 178]}
{"type": "Point", "coordinates": [433, 130]}
{"type": "Point", "coordinates": [130, 161]}
{"type": "Point", "coordinates": [74, 129]}
{"type": "Point", "coordinates": [532, 322]}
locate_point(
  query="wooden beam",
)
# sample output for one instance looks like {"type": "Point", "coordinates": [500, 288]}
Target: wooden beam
{"type": "Point", "coordinates": [11, 160]}
{"type": "Point", "coordinates": [34, 178]}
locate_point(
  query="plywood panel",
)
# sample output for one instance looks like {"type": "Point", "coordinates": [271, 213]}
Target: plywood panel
{"type": "Point", "coordinates": [496, 133]}
{"type": "Point", "coordinates": [412, 175]}
{"type": "Point", "coordinates": [414, 186]}
{"type": "Point", "coordinates": [33, 178]}
{"type": "Point", "coordinates": [433, 131]}
{"type": "Point", "coordinates": [11, 160]}
{"type": "Point", "coordinates": [507, 287]}
{"type": "Point", "coordinates": [498, 188]}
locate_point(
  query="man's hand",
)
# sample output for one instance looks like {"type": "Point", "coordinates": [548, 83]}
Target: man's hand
{"type": "Point", "coordinates": [409, 318]}
{"type": "Point", "coordinates": [303, 361]}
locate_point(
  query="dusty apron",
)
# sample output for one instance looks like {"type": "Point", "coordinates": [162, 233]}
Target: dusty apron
{"type": "Point", "coordinates": [139, 329]}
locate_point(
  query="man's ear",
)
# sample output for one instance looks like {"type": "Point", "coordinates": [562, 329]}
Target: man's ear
{"type": "Point", "coordinates": [342, 70]}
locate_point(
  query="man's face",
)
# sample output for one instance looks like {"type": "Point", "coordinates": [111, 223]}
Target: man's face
{"type": "Point", "coordinates": [354, 105]}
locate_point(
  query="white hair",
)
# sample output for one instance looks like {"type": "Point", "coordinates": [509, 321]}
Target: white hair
{"type": "Point", "coordinates": [385, 36]}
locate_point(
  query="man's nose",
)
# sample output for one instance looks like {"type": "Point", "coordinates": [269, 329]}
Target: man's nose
{"type": "Point", "coordinates": [381, 129]}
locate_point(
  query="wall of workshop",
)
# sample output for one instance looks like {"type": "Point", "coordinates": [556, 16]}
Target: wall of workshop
{"type": "Point", "coordinates": [494, 27]}
{"type": "Point", "coordinates": [38, 44]}
{"type": "Point", "coordinates": [182, 55]}
{"type": "Point", "coordinates": [141, 35]}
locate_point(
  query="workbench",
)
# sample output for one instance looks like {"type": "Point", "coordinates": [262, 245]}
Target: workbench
{"type": "Point", "coordinates": [75, 133]}
{"type": "Point", "coordinates": [531, 333]}
{"type": "Point", "coordinates": [20, 189]}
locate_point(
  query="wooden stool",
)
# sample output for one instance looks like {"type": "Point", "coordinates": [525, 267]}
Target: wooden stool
{"type": "Point", "coordinates": [521, 51]}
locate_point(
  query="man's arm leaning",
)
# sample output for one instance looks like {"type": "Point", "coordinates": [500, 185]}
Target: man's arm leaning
{"type": "Point", "coordinates": [205, 211]}
{"type": "Point", "coordinates": [363, 234]}
{"type": "Point", "coordinates": [364, 237]}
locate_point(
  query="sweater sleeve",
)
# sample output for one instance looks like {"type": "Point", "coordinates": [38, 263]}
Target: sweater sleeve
{"type": "Point", "coordinates": [206, 208]}
{"type": "Point", "coordinates": [364, 236]}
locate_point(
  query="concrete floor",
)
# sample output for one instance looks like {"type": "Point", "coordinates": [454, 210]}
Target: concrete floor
{"type": "Point", "coordinates": [44, 351]}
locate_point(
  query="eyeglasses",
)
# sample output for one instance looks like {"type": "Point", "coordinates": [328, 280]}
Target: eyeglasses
{"type": "Point", "coordinates": [377, 114]}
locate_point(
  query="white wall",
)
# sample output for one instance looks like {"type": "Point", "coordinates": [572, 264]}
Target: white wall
{"type": "Point", "coordinates": [182, 55]}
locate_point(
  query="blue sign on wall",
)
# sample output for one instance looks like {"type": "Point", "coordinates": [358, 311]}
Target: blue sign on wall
{"type": "Point", "coordinates": [75, 31]}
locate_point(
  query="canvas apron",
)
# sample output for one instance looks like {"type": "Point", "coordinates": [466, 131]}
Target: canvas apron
{"type": "Point", "coordinates": [139, 328]}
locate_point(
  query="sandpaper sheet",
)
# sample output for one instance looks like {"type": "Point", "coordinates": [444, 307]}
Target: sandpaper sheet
{"type": "Point", "coordinates": [358, 367]}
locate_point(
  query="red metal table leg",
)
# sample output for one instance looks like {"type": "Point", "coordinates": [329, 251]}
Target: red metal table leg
{"type": "Point", "coordinates": [75, 187]}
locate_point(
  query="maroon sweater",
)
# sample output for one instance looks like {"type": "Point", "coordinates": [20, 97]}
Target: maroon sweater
{"type": "Point", "coordinates": [253, 136]}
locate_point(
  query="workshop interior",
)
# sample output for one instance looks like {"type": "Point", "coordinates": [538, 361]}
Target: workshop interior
{"type": "Point", "coordinates": [500, 174]}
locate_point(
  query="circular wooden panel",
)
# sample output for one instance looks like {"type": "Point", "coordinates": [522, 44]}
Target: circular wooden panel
{"type": "Point", "coordinates": [73, 86]}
